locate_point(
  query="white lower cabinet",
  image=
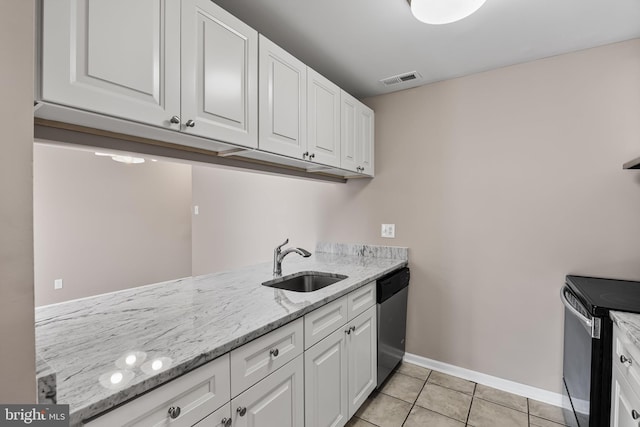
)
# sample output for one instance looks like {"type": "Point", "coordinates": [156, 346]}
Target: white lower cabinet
{"type": "Point", "coordinates": [270, 382]}
{"type": "Point", "coordinates": [625, 381]}
{"type": "Point", "coordinates": [182, 402]}
{"type": "Point", "coordinates": [625, 405]}
{"type": "Point", "coordinates": [341, 369]}
{"type": "Point", "coordinates": [362, 351]}
{"type": "Point", "coordinates": [325, 375]}
{"type": "Point", "coordinates": [275, 401]}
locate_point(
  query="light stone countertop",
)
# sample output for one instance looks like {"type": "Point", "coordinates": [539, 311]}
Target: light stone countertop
{"type": "Point", "coordinates": [629, 324]}
{"type": "Point", "coordinates": [188, 322]}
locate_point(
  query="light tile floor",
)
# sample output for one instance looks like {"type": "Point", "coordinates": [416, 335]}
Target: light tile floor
{"type": "Point", "coordinates": [418, 397]}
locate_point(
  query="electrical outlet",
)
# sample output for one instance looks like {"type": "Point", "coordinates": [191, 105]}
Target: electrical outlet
{"type": "Point", "coordinates": [196, 210]}
{"type": "Point", "coordinates": [57, 284]}
{"type": "Point", "coordinates": [388, 231]}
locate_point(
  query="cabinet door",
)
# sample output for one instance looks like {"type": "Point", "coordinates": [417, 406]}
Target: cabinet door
{"type": "Point", "coordinates": [276, 401]}
{"type": "Point", "coordinates": [113, 57]}
{"type": "Point", "coordinates": [219, 74]}
{"type": "Point", "coordinates": [323, 122]}
{"type": "Point", "coordinates": [362, 357]}
{"type": "Point", "coordinates": [325, 376]}
{"type": "Point", "coordinates": [365, 147]}
{"type": "Point", "coordinates": [624, 403]}
{"type": "Point", "coordinates": [283, 101]}
{"type": "Point", "coordinates": [348, 132]}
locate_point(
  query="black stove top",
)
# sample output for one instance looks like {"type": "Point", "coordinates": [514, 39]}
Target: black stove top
{"type": "Point", "coordinates": [601, 295]}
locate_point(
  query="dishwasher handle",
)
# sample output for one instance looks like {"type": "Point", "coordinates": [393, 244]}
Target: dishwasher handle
{"type": "Point", "coordinates": [592, 324]}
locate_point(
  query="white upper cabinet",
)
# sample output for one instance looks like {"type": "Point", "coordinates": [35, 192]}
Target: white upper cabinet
{"type": "Point", "coordinates": [348, 132]}
{"type": "Point", "coordinates": [357, 135]}
{"type": "Point", "coordinates": [139, 68]}
{"type": "Point", "coordinates": [323, 124]}
{"type": "Point", "coordinates": [113, 57]}
{"type": "Point", "coordinates": [366, 129]}
{"type": "Point", "coordinates": [219, 74]}
{"type": "Point", "coordinates": [283, 101]}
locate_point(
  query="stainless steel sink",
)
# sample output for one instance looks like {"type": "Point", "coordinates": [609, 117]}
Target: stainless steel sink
{"type": "Point", "coordinates": [305, 281]}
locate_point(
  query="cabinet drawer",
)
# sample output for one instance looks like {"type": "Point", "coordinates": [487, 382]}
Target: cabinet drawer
{"type": "Point", "coordinates": [322, 322]}
{"type": "Point", "coordinates": [197, 394]}
{"type": "Point", "coordinates": [258, 358]}
{"type": "Point", "coordinates": [626, 358]}
{"type": "Point", "coordinates": [361, 299]}
{"type": "Point", "coordinates": [217, 419]}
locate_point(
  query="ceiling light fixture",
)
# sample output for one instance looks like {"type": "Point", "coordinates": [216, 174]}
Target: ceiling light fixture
{"type": "Point", "coordinates": [439, 12]}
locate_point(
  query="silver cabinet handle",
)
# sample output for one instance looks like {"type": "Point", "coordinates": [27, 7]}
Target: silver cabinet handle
{"type": "Point", "coordinates": [241, 411]}
{"type": "Point", "coordinates": [175, 120]}
{"type": "Point", "coordinates": [625, 360]}
{"type": "Point", "coordinates": [305, 154]}
{"type": "Point", "coordinates": [226, 422]}
{"type": "Point", "coordinates": [190, 123]}
{"type": "Point", "coordinates": [174, 412]}
{"type": "Point", "coordinates": [274, 352]}
{"type": "Point", "coordinates": [635, 414]}
{"type": "Point", "coordinates": [311, 156]}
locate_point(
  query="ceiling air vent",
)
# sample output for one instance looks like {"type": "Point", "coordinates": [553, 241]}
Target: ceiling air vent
{"type": "Point", "coordinates": [401, 78]}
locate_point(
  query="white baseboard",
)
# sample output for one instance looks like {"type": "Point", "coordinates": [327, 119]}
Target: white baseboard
{"type": "Point", "coordinates": [539, 394]}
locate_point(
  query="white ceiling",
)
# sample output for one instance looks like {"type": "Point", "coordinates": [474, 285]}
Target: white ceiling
{"type": "Point", "coordinates": [355, 43]}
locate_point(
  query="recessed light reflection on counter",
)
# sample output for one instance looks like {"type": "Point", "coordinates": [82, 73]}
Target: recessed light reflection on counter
{"type": "Point", "coordinates": [156, 365]}
{"type": "Point", "coordinates": [131, 359]}
{"type": "Point", "coordinates": [115, 380]}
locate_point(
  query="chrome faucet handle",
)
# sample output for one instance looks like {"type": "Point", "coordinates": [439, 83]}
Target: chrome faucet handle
{"type": "Point", "coordinates": [280, 246]}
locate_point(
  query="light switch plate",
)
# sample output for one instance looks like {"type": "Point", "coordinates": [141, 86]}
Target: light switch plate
{"type": "Point", "coordinates": [57, 284]}
{"type": "Point", "coordinates": [388, 231]}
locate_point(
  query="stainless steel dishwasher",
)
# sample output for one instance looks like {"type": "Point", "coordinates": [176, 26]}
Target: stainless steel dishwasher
{"type": "Point", "coordinates": [392, 293]}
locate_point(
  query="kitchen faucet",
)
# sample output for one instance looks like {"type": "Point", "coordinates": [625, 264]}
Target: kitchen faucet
{"type": "Point", "coordinates": [279, 255]}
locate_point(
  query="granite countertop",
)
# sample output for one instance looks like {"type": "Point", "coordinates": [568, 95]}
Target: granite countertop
{"type": "Point", "coordinates": [176, 326]}
{"type": "Point", "coordinates": [629, 324]}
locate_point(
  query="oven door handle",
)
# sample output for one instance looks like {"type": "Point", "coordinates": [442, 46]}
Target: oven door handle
{"type": "Point", "coordinates": [592, 324]}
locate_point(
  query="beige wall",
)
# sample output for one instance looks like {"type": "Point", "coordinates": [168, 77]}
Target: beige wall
{"type": "Point", "coordinates": [244, 215]}
{"type": "Point", "coordinates": [502, 183]}
{"type": "Point", "coordinates": [102, 226]}
{"type": "Point", "coordinates": [17, 354]}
